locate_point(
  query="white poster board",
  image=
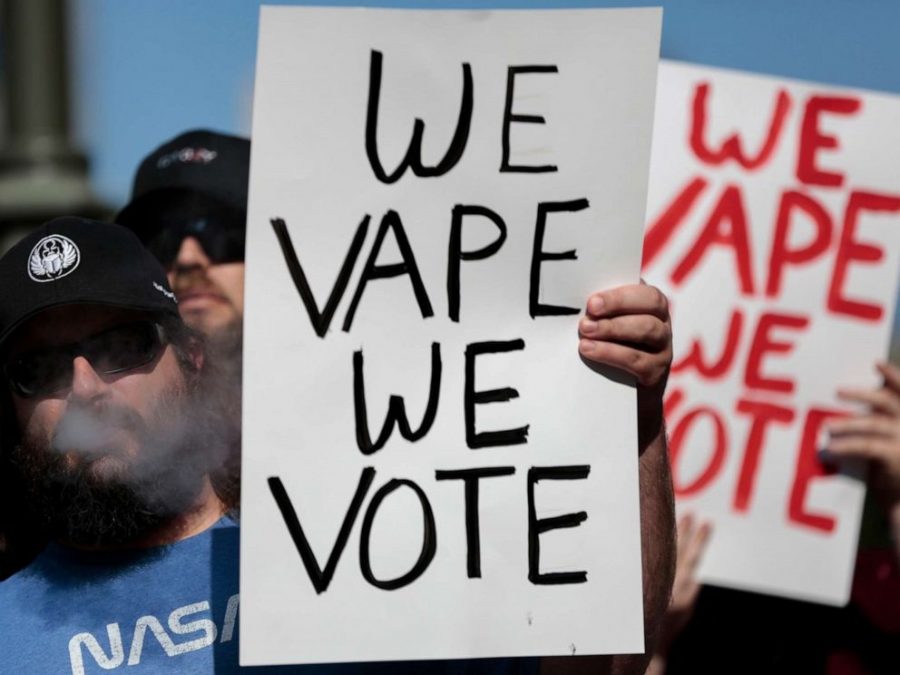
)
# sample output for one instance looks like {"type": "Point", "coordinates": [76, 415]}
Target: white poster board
{"type": "Point", "coordinates": [536, 143]}
{"type": "Point", "coordinates": [774, 227]}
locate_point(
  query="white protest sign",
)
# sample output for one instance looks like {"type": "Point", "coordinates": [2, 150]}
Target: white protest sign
{"type": "Point", "coordinates": [430, 470]}
{"type": "Point", "coordinates": [774, 227]}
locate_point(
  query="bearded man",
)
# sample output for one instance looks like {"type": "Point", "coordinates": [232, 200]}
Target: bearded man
{"type": "Point", "coordinates": [188, 206]}
{"type": "Point", "coordinates": [109, 439]}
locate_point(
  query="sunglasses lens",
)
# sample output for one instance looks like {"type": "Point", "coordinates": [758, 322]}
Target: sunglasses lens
{"type": "Point", "coordinates": [122, 348]}
{"type": "Point", "coordinates": [39, 372]}
{"type": "Point", "coordinates": [219, 229]}
{"type": "Point", "coordinates": [223, 245]}
{"type": "Point", "coordinates": [164, 246]}
{"type": "Point", "coordinates": [113, 351]}
{"type": "Point", "coordinates": [164, 222]}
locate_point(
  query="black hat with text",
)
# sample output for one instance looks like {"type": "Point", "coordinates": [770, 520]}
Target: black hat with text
{"type": "Point", "coordinates": [201, 164]}
{"type": "Point", "coordinates": [74, 261]}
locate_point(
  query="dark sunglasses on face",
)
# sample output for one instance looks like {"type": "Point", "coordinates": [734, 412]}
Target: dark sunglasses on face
{"type": "Point", "coordinates": [222, 239]}
{"type": "Point", "coordinates": [115, 350]}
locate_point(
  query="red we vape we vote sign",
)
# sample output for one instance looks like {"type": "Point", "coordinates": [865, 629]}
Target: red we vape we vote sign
{"type": "Point", "coordinates": [774, 226]}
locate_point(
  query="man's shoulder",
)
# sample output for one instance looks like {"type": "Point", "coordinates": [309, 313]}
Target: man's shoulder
{"type": "Point", "coordinates": [123, 579]}
{"type": "Point", "coordinates": [20, 583]}
{"type": "Point", "coordinates": [76, 611]}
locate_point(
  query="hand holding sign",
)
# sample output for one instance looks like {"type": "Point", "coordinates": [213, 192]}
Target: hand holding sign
{"type": "Point", "coordinates": [874, 435]}
{"type": "Point", "coordinates": [630, 328]}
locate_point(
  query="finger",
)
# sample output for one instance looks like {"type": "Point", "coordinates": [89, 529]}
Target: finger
{"type": "Point", "coordinates": [685, 524]}
{"type": "Point", "coordinates": [632, 299]}
{"type": "Point", "coordinates": [648, 369]}
{"type": "Point", "coordinates": [861, 447]}
{"type": "Point", "coordinates": [685, 530]}
{"type": "Point", "coordinates": [867, 425]}
{"type": "Point", "coordinates": [642, 330]}
{"type": "Point", "coordinates": [881, 400]}
{"type": "Point", "coordinates": [697, 545]}
{"type": "Point", "coordinates": [891, 374]}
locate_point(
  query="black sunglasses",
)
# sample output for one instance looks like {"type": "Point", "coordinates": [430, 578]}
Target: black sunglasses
{"type": "Point", "coordinates": [221, 236]}
{"type": "Point", "coordinates": [165, 220]}
{"type": "Point", "coordinates": [115, 350]}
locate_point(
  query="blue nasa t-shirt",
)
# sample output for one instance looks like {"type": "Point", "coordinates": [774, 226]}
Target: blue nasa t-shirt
{"type": "Point", "coordinates": [168, 610]}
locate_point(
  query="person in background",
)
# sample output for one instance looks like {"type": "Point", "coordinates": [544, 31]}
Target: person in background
{"type": "Point", "coordinates": [874, 435]}
{"type": "Point", "coordinates": [188, 206]}
{"type": "Point", "coordinates": [859, 639]}
{"type": "Point", "coordinates": [693, 536]}
{"type": "Point", "coordinates": [865, 637]}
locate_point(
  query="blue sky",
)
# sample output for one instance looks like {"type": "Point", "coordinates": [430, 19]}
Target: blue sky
{"type": "Point", "coordinates": [146, 70]}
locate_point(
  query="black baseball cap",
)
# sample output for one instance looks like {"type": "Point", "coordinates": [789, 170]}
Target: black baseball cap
{"type": "Point", "coordinates": [74, 261]}
{"type": "Point", "coordinates": [194, 185]}
{"type": "Point", "coordinates": [201, 163]}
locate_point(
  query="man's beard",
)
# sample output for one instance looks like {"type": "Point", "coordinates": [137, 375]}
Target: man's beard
{"type": "Point", "coordinates": [222, 391]}
{"type": "Point", "coordinates": [76, 502]}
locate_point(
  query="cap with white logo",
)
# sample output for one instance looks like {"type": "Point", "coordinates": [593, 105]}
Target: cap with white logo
{"type": "Point", "coordinates": [74, 261]}
{"type": "Point", "coordinates": [52, 258]}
